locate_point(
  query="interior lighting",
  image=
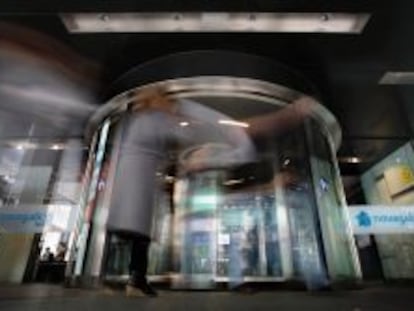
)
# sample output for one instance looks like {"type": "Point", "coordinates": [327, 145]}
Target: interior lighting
{"type": "Point", "coordinates": [354, 160]}
{"type": "Point", "coordinates": [233, 123]}
{"type": "Point", "coordinates": [293, 22]}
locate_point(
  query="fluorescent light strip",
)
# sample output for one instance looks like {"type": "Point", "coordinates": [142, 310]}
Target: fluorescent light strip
{"type": "Point", "coordinates": [397, 77]}
{"type": "Point", "coordinates": [216, 22]}
{"type": "Point", "coordinates": [233, 123]}
{"type": "Point", "coordinates": [22, 144]}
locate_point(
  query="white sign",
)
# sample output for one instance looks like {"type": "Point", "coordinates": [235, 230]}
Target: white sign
{"type": "Point", "coordinates": [377, 219]}
{"type": "Point", "coordinates": [223, 239]}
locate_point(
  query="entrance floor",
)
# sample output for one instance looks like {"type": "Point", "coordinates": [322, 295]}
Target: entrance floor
{"type": "Point", "coordinates": [45, 297]}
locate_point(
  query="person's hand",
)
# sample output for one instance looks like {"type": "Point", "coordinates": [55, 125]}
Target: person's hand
{"type": "Point", "coordinates": [305, 106]}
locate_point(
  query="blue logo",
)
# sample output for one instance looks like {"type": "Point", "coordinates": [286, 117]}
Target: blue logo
{"type": "Point", "coordinates": [39, 219]}
{"type": "Point", "coordinates": [364, 220]}
{"type": "Point", "coordinates": [324, 184]}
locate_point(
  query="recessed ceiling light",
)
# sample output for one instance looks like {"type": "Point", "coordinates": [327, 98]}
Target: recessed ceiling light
{"type": "Point", "coordinates": [184, 123]}
{"type": "Point", "coordinates": [397, 77]}
{"type": "Point", "coordinates": [216, 22]}
{"type": "Point", "coordinates": [286, 162]}
{"type": "Point", "coordinates": [355, 160]}
{"type": "Point", "coordinates": [350, 160]}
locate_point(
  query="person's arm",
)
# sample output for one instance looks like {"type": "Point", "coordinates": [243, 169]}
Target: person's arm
{"type": "Point", "coordinates": [282, 120]}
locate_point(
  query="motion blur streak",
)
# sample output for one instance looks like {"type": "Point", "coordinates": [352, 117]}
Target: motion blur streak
{"type": "Point", "coordinates": [43, 83]}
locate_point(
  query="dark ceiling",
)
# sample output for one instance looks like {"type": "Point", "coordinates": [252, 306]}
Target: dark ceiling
{"type": "Point", "coordinates": [345, 68]}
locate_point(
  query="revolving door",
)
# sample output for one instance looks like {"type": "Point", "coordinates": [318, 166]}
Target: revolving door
{"type": "Point", "coordinates": [250, 192]}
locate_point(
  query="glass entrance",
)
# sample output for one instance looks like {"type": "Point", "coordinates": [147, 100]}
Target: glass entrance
{"type": "Point", "coordinates": [243, 203]}
{"type": "Point", "coordinates": [248, 244]}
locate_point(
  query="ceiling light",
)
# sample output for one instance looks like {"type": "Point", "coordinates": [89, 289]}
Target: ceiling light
{"type": "Point", "coordinates": [25, 145]}
{"type": "Point", "coordinates": [233, 182]}
{"type": "Point", "coordinates": [216, 21]}
{"type": "Point", "coordinates": [233, 123]}
{"type": "Point", "coordinates": [286, 162]}
{"type": "Point", "coordinates": [355, 160]}
{"type": "Point", "coordinates": [21, 144]}
{"type": "Point", "coordinates": [184, 124]}
{"type": "Point", "coordinates": [397, 77]}
{"type": "Point", "coordinates": [350, 160]}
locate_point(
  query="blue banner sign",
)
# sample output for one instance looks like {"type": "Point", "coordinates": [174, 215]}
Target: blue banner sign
{"type": "Point", "coordinates": [377, 219]}
{"type": "Point", "coordinates": [37, 218]}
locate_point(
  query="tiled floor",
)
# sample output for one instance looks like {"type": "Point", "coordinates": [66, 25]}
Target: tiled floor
{"type": "Point", "coordinates": [42, 297]}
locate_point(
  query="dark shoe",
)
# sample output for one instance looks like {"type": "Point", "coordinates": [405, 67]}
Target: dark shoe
{"type": "Point", "coordinates": [140, 290]}
{"type": "Point", "coordinates": [148, 290]}
{"type": "Point", "coordinates": [132, 291]}
{"type": "Point", "coordinates": [244, 289]}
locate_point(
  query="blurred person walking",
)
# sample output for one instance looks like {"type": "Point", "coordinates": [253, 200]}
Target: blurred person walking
{"type": "Point", "coordinates": [148, 129]}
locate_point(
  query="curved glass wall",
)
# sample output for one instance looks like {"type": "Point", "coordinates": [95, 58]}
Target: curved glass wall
{"type": "Point", "coordinates": [247, 189]}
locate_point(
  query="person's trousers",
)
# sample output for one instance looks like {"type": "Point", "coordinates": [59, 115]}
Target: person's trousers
{"type": "Point", "coordinates": [139, 259]}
